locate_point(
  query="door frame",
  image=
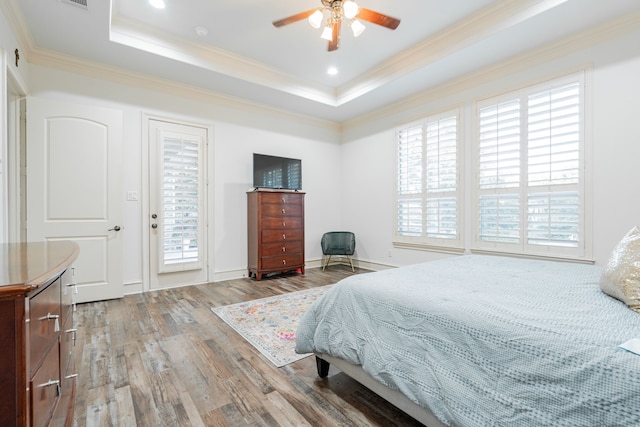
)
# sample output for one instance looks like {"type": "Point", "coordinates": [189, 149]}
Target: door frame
{"type": "Point", "coordinates": [13, 94]}
{"type": "Point", "coordinates": [209, 191]}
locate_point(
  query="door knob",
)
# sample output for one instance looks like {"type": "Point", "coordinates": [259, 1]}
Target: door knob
{"type": "Point", "coordinates": [154, 216]}
{"type": "Point", "coordinates": [154, 225]}
{"type": "Point", "coordinates": [116, 228]}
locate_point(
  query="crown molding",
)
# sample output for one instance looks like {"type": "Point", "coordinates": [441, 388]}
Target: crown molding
{"type": "Point", "coordinates": [11, 11]}
{"type": "Point", "coordinates": [140, 36]}
{"type": "Point", "coordinates": [559, 48]}
{"type": "Point", "coordinates": [496, 17]}
{"type": "Point", "coordinates": [126, 77]}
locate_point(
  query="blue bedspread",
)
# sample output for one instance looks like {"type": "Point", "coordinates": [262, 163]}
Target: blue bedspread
{"type": "Point", "coordinates": [487, 341]}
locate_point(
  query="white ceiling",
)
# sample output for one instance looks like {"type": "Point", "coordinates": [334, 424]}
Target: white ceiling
{"type": "Point", "coordinates": [245, 56]}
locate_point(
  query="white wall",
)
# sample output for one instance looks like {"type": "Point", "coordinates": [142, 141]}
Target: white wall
{"type": "Point", "coordinates": [238, 132]}
{"type": "Point", "coordinates": [614, 133]}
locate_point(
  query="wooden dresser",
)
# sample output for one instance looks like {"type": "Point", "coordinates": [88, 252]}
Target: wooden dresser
{"type": "Point", "coordinates": [275, 231]}
{"type": "Point", "coordinates": [37, 371]}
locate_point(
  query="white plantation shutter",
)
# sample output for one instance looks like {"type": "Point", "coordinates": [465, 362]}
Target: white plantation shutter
{"type": "Point", "coordinates": [409, 206]}
{"type": "Point", "coordinates": [554, 165]}
{"type": "Point", "coordinates": [181, 192]}
{"type": "Point", "coordinates": [427, 188]}
{"type": "Point", "coordinates": [442, 178]}
{"type": "Point", "coordinates": [500, 145]}
{"type": "Point", "coordinates": [499, 172]}
{"type": "Point", "coordinates": [530, 173]}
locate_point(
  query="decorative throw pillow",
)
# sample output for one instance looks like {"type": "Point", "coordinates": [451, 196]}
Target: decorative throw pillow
{"type": "Point", "coordinates": [621, 276]}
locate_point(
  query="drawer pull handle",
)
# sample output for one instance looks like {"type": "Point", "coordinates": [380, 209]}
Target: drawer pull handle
{"type": "Point", "coordinates": [68, 377]}
{"type": "Point", "coordinates": [49, 316]}
{"type": "Point", "coordinates": [284, 224]}
{"type": "Point", "coordinates": [50, 383]}
{"type": "Point", "coordinates": [284, 236]}
{"type": "Point", "coordinates": [75, 287]}
{"type": "Point", "coordinates": [284, 249]}
{"type": "Point", "coordinates": [283, 210]}
{"type": "Point", "coordinates": [284, 262]}
{"type": "Point", "coordinates": [75, 334]}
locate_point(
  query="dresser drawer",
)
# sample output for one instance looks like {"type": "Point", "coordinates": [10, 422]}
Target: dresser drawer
{"type": "Point", "coordinates": [282, 262]}
{"type": "Point", "coordinates": [282, 248]}
{"type": "Point", "coordinates": [282, 223]}
{"type": "Point", "coordinates": [279, 211]}
{"type": "Point", "coordinates": [45, 389]}
{"type": "Point", "coordinates": [44, 322]}
{"type": "Point", "coordinates": [272, 236]}
{"type": "Point", "coordinates": [282, 198]}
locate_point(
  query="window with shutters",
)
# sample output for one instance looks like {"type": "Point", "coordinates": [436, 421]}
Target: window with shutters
{"type": "Point", "coordinates": [181, 194]}
{"type": "Point", "coordinates": [530, 157]}
{"type": "Point", "coordinates": [428, 191]}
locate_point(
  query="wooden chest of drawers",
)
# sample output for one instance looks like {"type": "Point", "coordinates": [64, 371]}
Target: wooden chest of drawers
{"type": "Point", "coordinates": [275, 232]}
{"type": "Point", "coordinates": [37, 334]}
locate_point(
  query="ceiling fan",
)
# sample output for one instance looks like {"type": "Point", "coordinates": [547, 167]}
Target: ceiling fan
{"type": "Point", "coordinates": [335, 12]}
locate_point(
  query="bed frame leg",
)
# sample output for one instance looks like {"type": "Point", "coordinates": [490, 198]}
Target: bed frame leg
{"type": "Point", "coordinates": [323, 367]}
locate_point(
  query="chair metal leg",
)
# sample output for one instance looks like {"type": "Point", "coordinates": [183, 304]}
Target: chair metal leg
{"type": "Point", "coordinates": [327, 263]}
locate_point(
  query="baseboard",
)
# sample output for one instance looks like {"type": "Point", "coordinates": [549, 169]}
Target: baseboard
{"type": "Point", "coordinates": [220, 276]}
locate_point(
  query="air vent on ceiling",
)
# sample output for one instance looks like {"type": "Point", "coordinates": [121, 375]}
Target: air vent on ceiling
{"type": "Point", "coordinates": [79, 3]}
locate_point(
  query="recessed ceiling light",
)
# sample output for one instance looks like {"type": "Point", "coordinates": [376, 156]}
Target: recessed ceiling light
{"type": "Point", "coordinates": [332, 71]}
{"type": "Point", "coordinates": [157, 4]}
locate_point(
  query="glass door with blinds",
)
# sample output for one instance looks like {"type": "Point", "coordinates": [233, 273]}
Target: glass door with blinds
{"type": "Point", "coordinates": [177, 204]}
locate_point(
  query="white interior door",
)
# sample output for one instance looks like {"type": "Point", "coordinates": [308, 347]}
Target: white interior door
{"type": "Point", "coordinates": [73, 189]}
{"type": "Point", "coordinates": [177, 204]}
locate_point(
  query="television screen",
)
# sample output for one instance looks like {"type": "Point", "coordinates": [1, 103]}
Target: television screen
{"type": "Point", "coordinates": [277, 172]}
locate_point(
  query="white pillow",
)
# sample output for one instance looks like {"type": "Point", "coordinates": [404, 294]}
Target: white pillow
{"type": "Point", "coordinates": [621, 276]}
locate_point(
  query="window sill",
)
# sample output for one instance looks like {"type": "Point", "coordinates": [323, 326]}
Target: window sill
{"type": "Point", "coordinates": [534, 256]}
{"type": "Point", "coordinates": [426, 247]}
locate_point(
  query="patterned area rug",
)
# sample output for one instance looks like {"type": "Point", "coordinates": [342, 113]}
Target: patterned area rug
{"type": "Point", "coordinates": [270, 324]}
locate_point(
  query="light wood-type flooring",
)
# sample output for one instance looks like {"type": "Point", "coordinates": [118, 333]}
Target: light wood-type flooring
{"type": "Point", "coordinates": [165, 359]}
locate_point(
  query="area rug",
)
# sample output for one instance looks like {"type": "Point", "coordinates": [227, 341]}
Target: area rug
{"type": "Point", "coordinates": [270, 324]}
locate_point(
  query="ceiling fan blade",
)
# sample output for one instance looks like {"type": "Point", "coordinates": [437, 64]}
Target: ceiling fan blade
{"type": "Point", "coordinates": [294, 18]}
{"type": "Point", "coordinates": [378, 18]}
{"type": "Point", "coordinates": [335, 43]}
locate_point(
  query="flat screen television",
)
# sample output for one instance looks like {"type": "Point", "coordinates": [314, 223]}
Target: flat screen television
{"type": "Point", "coordinates": [275, 172]}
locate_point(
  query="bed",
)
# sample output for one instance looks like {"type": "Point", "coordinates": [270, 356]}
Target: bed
{"type": "Point", "coordinates": [483, 340]}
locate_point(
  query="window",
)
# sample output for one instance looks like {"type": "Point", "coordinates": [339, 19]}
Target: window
{"type": "Point", "coordinates": [428, 192]}
{"type": "Point", "coordinates": [181, 200]}
{"type": "Point", "coordinates": [530, 186]}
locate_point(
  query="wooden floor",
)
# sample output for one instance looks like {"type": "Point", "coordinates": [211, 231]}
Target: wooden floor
{"type": "Point", "coordinates": [165, 359]}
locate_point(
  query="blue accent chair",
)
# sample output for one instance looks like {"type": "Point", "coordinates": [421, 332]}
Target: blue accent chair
{"type": "Point", "coordinates": [338, 243]}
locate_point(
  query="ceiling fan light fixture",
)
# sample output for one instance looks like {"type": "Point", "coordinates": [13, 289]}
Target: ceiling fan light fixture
{"type": "Point", "coordinates": [327, 33]}
{"type": "Point", "coordinates": [315, 19]}
{"type": "Point", "coordinates": [350, 9]}
{"type": "Point", "coordinates": [357, 27]}
{"type": "Point", "coordinates": [334, 14]}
